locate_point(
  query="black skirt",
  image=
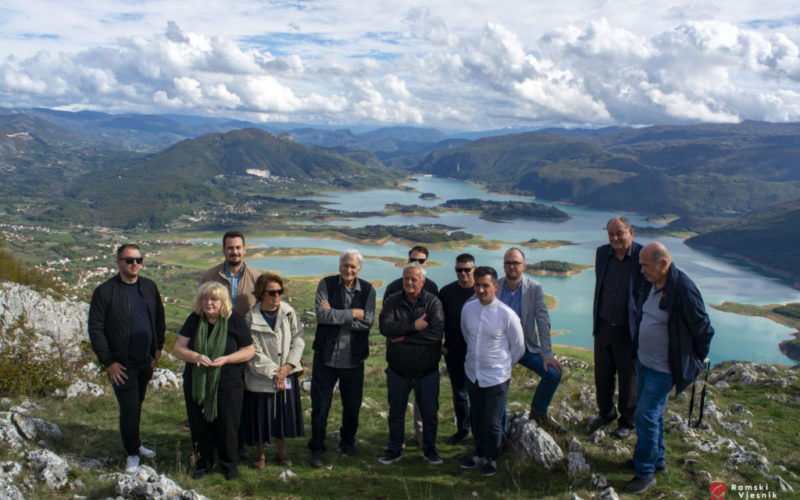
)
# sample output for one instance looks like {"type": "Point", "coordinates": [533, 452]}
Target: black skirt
{"type": "Point", "coordinates": [267, 415]}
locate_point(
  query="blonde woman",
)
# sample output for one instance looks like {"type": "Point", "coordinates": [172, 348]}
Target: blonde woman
{"type": "Point", "coordinates": [272, 396]}
{"type": "Point", "coordinates": [215, 343]}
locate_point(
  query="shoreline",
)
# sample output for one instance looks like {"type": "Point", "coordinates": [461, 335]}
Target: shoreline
{"type": "Point", "coordinates": [789, 348]}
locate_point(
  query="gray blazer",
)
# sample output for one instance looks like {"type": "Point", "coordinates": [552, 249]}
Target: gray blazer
{"type": "Point", "coordinates": [535, 317]}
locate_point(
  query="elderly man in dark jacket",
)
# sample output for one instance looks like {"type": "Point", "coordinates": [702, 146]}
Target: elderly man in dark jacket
{"type": "Point", "coordinates": [413, 323]}
{"type": "Point", "coordinates": [671, 340]}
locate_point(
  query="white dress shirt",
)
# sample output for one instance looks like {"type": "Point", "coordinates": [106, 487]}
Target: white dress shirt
{"type": "Point", "coordinates": [494, 341]}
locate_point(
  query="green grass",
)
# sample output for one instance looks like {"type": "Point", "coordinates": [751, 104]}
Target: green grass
{"type": "Point", "coordinates": [90, 431]}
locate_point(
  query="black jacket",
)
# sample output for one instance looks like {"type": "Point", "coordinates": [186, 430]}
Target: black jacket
{"type": "Point", "coordinates": [636, 285]}
{"type": "Point", "coordinates": [109, 319]}
{"type": "Point", "coordinates": [689, 328]}
{"type": "Point", "coordinates": [418, 354]}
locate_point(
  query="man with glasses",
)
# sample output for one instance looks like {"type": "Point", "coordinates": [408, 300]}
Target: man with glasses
{"type": "Point", "coordinates": [345, 306]}
{"type": "Point", "coordinates": [234, 273]}
{"type": "Point", "coordinates": [418, 254]}
{"type": "Point", "coordinates": [453, 296]}
{"type": "Point", "coordinates": [126, 329]}
{"type": "Point", "coordinates": [525, 296]}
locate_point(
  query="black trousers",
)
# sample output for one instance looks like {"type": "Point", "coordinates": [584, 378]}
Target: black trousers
{"type": "Point", "coordinates": [130, 396]}
{"type": "Point", "coordinates": [613, 359]}
{"type": "Point", "coordinates": [455, 371]}
{"type": "Point", "coordinates": [323, 380]}
{"type": "Point", "coordinates": [221, 434]}
{"type": "Point", "coordinates": [488, 405]}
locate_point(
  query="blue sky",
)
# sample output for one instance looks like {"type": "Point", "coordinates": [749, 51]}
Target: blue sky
{"type": "Point", "coordinates": [450, 64]}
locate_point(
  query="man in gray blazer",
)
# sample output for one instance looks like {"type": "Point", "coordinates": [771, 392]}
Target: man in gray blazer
{"type": "Point", "coordinates": [524, 295]}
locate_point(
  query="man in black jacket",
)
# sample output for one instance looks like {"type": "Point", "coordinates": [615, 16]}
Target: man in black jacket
{"type": "Point", "coordinates": [618, 282]}
{"type": "Point", "coordinates": [412, 322]}
{"type": "Point", "coordinates": [126, 329]}
{"type": "Point", "coordinates": [671, 340]}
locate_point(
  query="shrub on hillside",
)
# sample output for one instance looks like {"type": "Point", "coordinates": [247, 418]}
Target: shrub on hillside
{"type": "Point", "coordinates": [24, 369]}
{"type": "Point", "coordinates": [792, 310]}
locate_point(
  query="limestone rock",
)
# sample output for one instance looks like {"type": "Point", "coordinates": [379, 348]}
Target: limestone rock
{"type": "Point", "coordinates": [59, 326]}
{"type": "Point", "coordinates": [576, 463]}
{"type": "Point", "coordinates": [51, 469]}
{"type": "Point", "coordinates": [163, 377]}
{"type": "Point", "coordinates": [568, 414]}
{"type": "Point", "coordinates": [784, 486]}
{"type": "Point", "coordinates": [146, 483]}
{"type": "Point", "coordinates": [741, 456]}
{"type": "Point", "coordinates": [9, 435]}
{"type": "Point", "coordinates": [608, 494]}
{"type": "Point", "coordinates": [287, 475]}
{"type": "Point", "coordinates": [532, 442]}
{"type": "Point", "coordinates": [574, 444]}
{"type": "Point", "coordinates": [80, 387]}
{"type": "Point", "coordinates": [599, 482]}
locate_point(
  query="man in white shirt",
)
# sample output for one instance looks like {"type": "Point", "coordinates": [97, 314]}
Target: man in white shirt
{"type": "Point", "coordinates": [494, 338]}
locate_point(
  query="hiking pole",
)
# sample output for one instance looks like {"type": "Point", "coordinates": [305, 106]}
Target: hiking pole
{"type": "Point", "coordinates": [707, 364]}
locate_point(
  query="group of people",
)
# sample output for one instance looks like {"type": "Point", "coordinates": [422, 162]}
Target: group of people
{"type": "Point", "coordinates": [243, 345]}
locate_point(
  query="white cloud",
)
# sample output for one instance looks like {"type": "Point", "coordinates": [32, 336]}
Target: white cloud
{"type": "Point", "coordinates": [450, 64]}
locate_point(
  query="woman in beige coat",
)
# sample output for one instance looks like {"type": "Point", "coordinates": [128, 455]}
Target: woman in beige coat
{"type": "Point", "coordinates": [272, 396]}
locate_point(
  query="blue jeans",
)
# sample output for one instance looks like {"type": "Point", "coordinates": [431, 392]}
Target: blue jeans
{"type": "Point", "coordinates": [488, 405]}
{"type": "Point", "coordinates": [426, 394]}
{"type": "Point", "coordinates": [547, 386]}
{"type": "Point", "coordinates": [652, 393]}
{"type": "Point", "coordinates": [455, 369]}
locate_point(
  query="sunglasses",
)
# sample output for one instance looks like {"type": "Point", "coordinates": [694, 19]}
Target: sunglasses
{"type": "Point", "coordinates": [421, 261]}
{"type": "Point", "coordinates": [512, 263]}
{"type": "Point", "coordinates": [464, 270]}
{"type": "Point", "coordinates": [273, 293]}
{"type": "Point", "coordinates": [131, 260]}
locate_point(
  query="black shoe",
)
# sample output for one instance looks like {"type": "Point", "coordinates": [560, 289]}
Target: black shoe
{"type": "Point", "coordinates": [639, 485]}
{"type": "Point", "coordinates": [631, 465]}
{"type": "Point", "coordinates": [596, 422]}
{"type": "Point", "coordinates": [348, 449]}
{"type": "Point", "coordinates": [489, 468]}
{"type": "Point", "coordinates": [472, 462]}
{"type": "Point", "coordinates": [432, 457]}
{"type": "Point", "coordinates": [621, 433]}
{"type": "Point", "coordinates": [457, 437]}
{"type": "Point", "coordinates": [389, 457]}
{"type": "Point", "coordinates": [200, 472]}
{"type": "Point", "coordinates": [315, 460]}
{"type": "Point", "coordinates": [231, 474]}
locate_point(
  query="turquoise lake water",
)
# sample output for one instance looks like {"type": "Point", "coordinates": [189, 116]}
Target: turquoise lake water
{"type": "Point", "coordinates": [719, 278]}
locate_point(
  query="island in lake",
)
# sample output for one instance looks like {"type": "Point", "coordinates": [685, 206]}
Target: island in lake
{"type": "Point", "coordinates": [785, 314]}
{"type": "Point", "coordinates": [545, 244]}
{"type": "Point", "coordinates": [499, 211]}
{"type": "Point", "coordinates": [555, 268]}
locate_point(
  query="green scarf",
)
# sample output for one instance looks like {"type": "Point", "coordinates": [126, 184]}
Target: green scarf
{"type": "Point", "coordinates": [205, 379]}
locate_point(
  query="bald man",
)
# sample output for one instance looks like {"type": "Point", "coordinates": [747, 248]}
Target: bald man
{"type": "Point", "coordinates": [671, 340]}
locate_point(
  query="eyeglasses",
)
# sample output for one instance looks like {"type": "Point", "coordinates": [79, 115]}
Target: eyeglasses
{"type": "Point", "coordinates": [464, 270]}
{"type": "Point", "coordinates": [273, 293]}
{"type": "Point", "coordinates": [512, 263]}
{"type": "Point", "coordinates": [421, 261]}
{"type": "Point", "coordinates": [131, 260]}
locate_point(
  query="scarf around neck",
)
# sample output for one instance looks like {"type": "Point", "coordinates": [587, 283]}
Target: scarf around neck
{"type": "Point", "coordinates": [205, 379]}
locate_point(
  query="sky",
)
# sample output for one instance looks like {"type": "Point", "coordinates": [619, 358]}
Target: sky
{"type": "Point", "coordinates": [463, 65]}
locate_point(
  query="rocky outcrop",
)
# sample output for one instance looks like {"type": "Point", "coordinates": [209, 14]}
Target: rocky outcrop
{"type": "Point", "coordinates": [58, 326]}
{"type": "Point", "coordinates": [148, 484]}
{"type": "Point", "coordinates": [531, 442]}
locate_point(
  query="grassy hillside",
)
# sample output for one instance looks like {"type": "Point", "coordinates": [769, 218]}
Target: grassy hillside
{"type": "Point", "coordinates": [704, 170]}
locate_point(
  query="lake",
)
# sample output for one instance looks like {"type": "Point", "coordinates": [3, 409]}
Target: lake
{"type": "Point", "coordinates": [719, 278]}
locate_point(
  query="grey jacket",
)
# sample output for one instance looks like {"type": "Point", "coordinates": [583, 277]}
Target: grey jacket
{"type": "Point", "coordinates": [535, 317]}
{"type": "Point", "coordinates": [247, 283]}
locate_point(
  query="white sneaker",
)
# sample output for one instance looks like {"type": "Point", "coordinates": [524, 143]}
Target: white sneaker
{"type": "Point", "coordinates": [146, 452]}
{"type": "Point", "coordinates": [132, 465]}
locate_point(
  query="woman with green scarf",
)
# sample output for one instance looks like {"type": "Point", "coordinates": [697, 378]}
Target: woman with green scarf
{"type": "Point", "coordinates": [215, 343]}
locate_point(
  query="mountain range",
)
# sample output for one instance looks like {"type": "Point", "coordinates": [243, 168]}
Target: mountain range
{"type": "Point", "coordinates": [736, 184]}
